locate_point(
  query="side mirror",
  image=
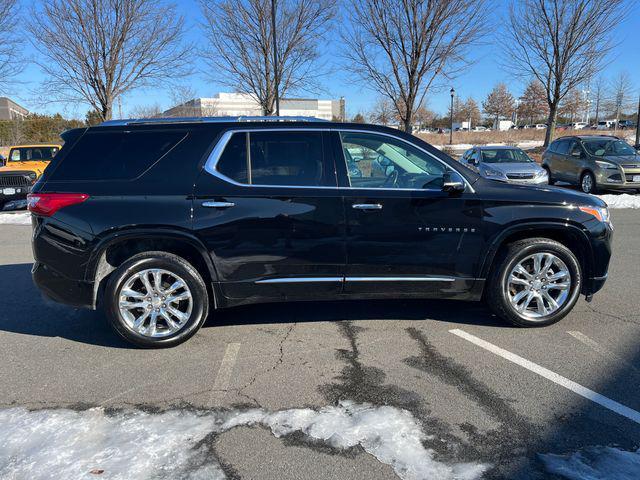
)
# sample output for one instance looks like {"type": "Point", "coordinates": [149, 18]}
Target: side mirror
{"type": "Point", "coordinates": [474, 161]}
{"type": "Point", "coordinates": [452, 182]}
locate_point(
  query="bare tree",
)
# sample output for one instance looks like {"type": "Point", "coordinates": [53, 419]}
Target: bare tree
{"type": "Point", "coordinates": [11, 62]}
{"type": "Point", "coordinates": [470, 112]}
{"type": "Point", "coordinates": [533, 102]}
{"type": "Point", "coordinates": [572, 104]}
{"type": "Point", "coordinates": [240, 45]}
{"type": "Point", "coordinates": [403, 48]}
{"type": "Point", "coordinates": [562, 43]}
{"type": "Point", "coordinates": [600, 87]}
{"type": "Point", "coordinates": [622, 97]}
{"type": "Point", "coordinates": [94, 51]}
{"type": "Point", "coordinates": [383, 112]}
{"type": "Point", "coordinates": [499, 103]}
{"type": "Point", "coordinates": [146, 111]}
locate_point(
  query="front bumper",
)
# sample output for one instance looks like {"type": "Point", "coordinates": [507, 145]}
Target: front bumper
{"type": "Point", "coordinates": [622, 178]}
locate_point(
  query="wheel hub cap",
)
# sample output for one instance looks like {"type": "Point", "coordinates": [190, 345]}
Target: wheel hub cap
{"type": "Point", "coordinates": [155, 303]}
{"type": "Point", "coordinates": [538, 285]}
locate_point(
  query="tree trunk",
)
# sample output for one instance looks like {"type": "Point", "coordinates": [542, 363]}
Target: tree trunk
{"type": "Point", "coordinates": [408, 123]}
{"type": "Point", "coordinates": [107, 111]}
{"type": "Point", "coordinates": [551, 125]}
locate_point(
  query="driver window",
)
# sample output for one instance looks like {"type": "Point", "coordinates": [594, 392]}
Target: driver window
{"type": "Point", "coordinates": [379, 161]}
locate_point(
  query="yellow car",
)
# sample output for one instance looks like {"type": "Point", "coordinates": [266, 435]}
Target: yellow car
{"type": "Point", "coordinates": [23, 167]}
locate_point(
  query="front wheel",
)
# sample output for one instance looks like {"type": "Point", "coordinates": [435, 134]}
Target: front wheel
{"type": "Point", "coordinates": [536, 282]}
{"type": "Point", "coordinates": [548, 170]}
{"type": "Point", "coordinates": [156, 299]}
{"type": "Point", "coordinates": [588, 183]}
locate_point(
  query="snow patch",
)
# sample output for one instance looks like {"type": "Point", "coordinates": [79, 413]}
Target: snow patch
{"type": "Point", "coordinates": [595, 463]}
{"type": "Point", "coordinates": [22, 218]}
{"type": "Point", "coordinates": [622, 201]}
{"type": "Point", "coordinates": [69, 444]}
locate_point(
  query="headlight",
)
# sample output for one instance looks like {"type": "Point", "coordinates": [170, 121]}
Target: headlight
{"type": "Point", "coordinates": [541, 173]}
{"type": "Point", "coordinates": [490, 173]}
{"type": "Point", "coordinates": [601, 213]}
{"type": "Point", "coordinates": [32, 175]}
{"type": "Point", "coordinates": [606, 165]}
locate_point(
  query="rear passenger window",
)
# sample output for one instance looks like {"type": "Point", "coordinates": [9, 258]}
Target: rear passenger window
{"type": "Point", "coordinates": [116, 155]}
{"type": "Point", "coordinates": [563, 147]}
{"type": "Point", "coordinates": [292, 158]}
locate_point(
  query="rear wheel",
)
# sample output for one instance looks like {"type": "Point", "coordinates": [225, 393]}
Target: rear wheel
{"type": "Point", "coordinates": [588, 183]}
{"type": "Point", "coordinates": [156, 299]}
{"type": "Point", "coordinates": [536, 282]}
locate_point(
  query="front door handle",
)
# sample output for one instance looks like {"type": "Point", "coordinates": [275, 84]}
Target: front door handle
{"type": "Point", "coordinates": [367, 206]}
{"type": "Point", "coordinates": [218, 204]}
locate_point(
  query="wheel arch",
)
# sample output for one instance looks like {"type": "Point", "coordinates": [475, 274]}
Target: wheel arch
{"type": "Point", "coordinates": [114, 249]}
{"type": "Point", "coordinates": [571, 236]}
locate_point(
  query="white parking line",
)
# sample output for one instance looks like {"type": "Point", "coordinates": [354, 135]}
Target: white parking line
{"type": "Point", "coordinates": [221, 383]}
{"type": "Point", "coordinates": [581, 337]}
{"type": "Point", "coordinates": [554, 377]}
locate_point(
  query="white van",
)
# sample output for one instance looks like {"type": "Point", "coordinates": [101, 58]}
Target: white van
{"type": "Point", "coordinates": [605, 124]}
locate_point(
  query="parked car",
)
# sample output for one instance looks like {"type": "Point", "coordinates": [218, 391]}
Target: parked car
{"type": "Point", "coordinates": [626, 124]}
{"type": "Point", "coordinates": [579, 125]}
{"type": "Point", "coordinates": [171, 219]}
{"type": "Point", "coordinates": [505, 164]}
{"type": "Point", "coordinates": [23, 167]}
{"type": "Point", "coordinates": [479, 128]}
{"type": "Point", "coordinates": [605, 124]}
{"type": "Point", "coordinates": [593, 162]}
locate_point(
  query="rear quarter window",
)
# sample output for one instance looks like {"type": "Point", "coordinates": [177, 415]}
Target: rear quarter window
{"type": "Point", "coordinates": [116, 155]}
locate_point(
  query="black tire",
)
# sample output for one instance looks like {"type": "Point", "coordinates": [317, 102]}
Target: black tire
{"type": "Point", "coordinates": [551, 180]}
{"type": "Point", "coordinates": [594, 186]}
{"type": "Point", "coordinates": [496, 289]}
{"type": "Point", "coordinates": [166, 261]}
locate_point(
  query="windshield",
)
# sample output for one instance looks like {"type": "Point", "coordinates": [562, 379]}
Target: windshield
{"type": "Point", "coordinates": [504, 155]}
{"type": "Point", "coordinates": [606, 146]}
{"type": "Point", "coordinates": [26, 154]}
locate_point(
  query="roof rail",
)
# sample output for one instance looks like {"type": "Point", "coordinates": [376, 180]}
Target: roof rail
{"type": "Point", "coordinates": [142, 121]}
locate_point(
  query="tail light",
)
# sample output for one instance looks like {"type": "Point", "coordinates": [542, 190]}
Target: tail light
{"type": "Point", "coordinates": [46, 204]}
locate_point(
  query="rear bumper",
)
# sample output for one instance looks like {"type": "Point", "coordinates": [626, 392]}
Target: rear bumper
{"type": "Point", "coordinates": [62, 289]}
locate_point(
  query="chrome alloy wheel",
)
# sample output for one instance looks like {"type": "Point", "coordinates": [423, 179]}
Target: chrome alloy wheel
{"type": "Point", "coordinates": [587, 183]}
{"type": "Point", "coordinates": [155, 303]}
{"type": "Point", "coordinates": [538, 285]}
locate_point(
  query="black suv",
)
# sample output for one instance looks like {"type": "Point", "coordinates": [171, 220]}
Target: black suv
{"type": "Point", "coordinates": [159, 221]}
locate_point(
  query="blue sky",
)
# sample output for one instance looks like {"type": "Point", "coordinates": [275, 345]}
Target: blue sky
{"type": "Point", "coordinates": [476, 81]}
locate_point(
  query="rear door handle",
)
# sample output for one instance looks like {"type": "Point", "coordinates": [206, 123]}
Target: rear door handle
{"type": "Point", "coordinates": [218, 204]}
{"type": "Point", "coordinates": [367, 206]}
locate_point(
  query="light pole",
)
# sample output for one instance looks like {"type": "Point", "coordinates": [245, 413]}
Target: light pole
{"type": "Point", "coordinates": [452, 92]}
{"type": "Point", "coordinates": [275, 56]}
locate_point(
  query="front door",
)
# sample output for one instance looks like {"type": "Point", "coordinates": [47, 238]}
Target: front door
{"type": "Point", "coordinates": [269, 211]}
{"type": "Point", "coordinates": [404, 234]}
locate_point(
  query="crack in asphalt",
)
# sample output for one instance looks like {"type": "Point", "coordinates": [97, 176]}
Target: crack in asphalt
{"type": "Point", "coordinates": [241, 391]}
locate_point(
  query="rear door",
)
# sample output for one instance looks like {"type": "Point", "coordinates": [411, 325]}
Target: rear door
{"type": "Point", "coordinates": [560, 161]}
{"type": "Point", "coordinates": [269, 211]}
{"type": "Point", "coordinates": [404, 234]}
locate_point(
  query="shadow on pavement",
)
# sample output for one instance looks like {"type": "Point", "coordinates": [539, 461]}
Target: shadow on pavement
{"type": "Point", "coordinates": [26, 311]}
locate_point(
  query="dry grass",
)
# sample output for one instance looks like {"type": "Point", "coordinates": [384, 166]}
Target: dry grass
{"type": "Point", "coordinates": [509, 137]}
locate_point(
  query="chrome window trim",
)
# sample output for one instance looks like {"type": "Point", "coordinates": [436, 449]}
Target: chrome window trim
{"type": "Point", "coordinates": [425, 278]}
{"type": "Point", "coordinates": [214, 157]}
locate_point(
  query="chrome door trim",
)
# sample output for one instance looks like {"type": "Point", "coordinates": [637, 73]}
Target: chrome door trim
{"type": "Point", "coordinates": [301, 280]}
{"type": "Point", "coordinates": [212, 161]}
{"type": "Point", "coordinates": [400, 279]}
{"type": "Point", "coordinates": [358, 279]}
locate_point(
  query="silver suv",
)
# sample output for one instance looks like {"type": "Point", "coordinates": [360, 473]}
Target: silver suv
{"type": "Point", "coordinates": [593, 162]}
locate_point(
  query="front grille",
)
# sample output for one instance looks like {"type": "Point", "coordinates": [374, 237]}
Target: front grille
{"type": "Point", "coordinates": [14, 181]}
{"type": "Point", "coordinates": [632, 166]}
{"type": "Point", "coordinates": [519, 176]}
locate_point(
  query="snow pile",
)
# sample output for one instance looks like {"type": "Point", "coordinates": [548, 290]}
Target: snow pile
{"type": "Point", "coordinates": [22, 218]}
{"type": "Point", "coordinates": [174, 444]}
{"type": "Point", "coordinates": [622, 201]}
{"type": "Point", "coordinates": [595, 463]}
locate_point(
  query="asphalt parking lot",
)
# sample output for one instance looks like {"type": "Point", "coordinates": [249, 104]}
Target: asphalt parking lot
{"type": "Point", "coordinates": [481, 391]}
